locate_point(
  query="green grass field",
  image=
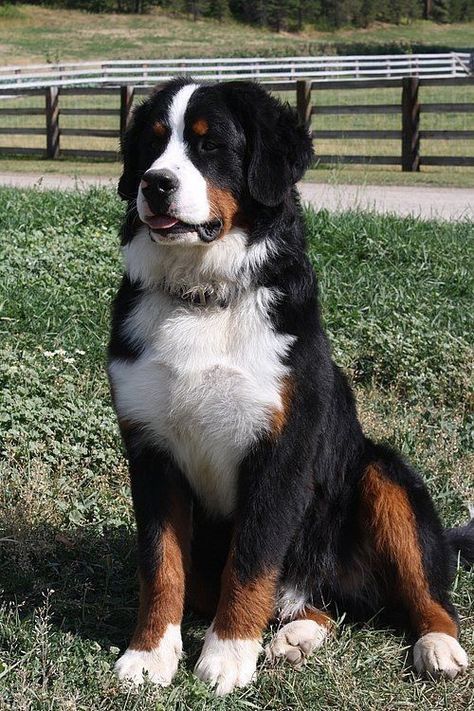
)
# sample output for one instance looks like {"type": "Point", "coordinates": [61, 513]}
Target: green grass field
{"type": "Point", "coordinates": [39, 34]}
{"type": "Point", "coordinates": [397, 302]}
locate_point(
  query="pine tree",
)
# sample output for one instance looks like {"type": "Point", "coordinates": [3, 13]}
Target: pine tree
{"type": "Point", "coordinates": [217, 9]}
{"type": "Point", "coordinates": [277, 13]}
{"type": "Point", "coordinates": [441, 10]}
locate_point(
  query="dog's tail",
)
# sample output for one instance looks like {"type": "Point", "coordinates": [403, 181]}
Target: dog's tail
{"type": "Point", "coordinates": [461, 541]}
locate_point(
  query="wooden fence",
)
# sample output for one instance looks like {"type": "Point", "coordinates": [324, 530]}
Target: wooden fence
{"type": "Point", "coordinates": [409, 136]}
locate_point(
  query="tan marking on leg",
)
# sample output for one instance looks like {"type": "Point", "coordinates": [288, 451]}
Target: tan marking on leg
{"type": "Point", "coordinates": [279, 417]}
{"type": "Point", "coordinates": [244, 608]}
{"type": "Point", "coordinates": [200, 127]}
{"type": "Point", "coordinates": [162, 599]}
{"type": "Point", "coordinates": [321, 618]}
{"type": "Point", "coordinates": [434, 618]}
{"type": "Point", "coordinates": [390, 515]}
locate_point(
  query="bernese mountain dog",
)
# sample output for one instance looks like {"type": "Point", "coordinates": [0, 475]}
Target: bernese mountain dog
{"type": "Point", "coordinates": [257, 496]}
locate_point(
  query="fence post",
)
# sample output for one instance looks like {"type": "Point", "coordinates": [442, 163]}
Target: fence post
{"type": "Point", "coordinates": [52, 122]}
{"type": "Point", "coordinates": [126, 102]}
{"type": "Point", "coordinates": [303, 102]}
{"type": "Point", "coordinates": [410, 124]}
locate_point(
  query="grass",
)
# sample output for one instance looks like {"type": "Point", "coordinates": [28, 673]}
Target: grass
{"type": "Point", "coordinates": [40, 34]}
{"type": "Point", "coordinates": [397, 302]}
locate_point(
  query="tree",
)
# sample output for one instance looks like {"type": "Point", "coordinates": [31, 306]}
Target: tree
{"type": "Point", "coordinates": [194, 8]}
{"type": "Point", "coordinates": [217, 9]}
{"type": "Point", "coordinates": [300, 12]}
{"type": "Point", "coordinates": [441, 10]}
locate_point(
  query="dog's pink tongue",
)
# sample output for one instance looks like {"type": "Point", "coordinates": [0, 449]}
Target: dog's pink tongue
{"type": "Point", "coordinates": [161, 222]}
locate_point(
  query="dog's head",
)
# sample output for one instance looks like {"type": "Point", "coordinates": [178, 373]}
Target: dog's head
{"type": "Point", "coordinates": [196, 156]}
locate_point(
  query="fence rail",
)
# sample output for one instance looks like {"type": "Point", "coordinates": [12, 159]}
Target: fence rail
{"type": "Point", "coordinates": [147, 72]}
{"type": "Point", "coordinates": [409, 136]}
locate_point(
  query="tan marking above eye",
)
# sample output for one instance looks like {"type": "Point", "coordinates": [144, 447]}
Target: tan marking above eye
{"type": "Point", "coordinates": [159, 129]}
{"type": "Point", "coordinates": [200, 127]}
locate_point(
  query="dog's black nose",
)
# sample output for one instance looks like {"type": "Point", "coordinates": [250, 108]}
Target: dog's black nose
{"type": "Point", "coordinates": [164, 181]}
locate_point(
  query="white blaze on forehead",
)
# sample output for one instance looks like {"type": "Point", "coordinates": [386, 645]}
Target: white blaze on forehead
{"type": "Point", "coordinates": [178, 109]}
{"type": "Point", "coordinates": [190, 202]}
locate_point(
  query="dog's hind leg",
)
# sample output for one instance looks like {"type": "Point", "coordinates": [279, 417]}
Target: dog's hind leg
{"type": "Point", "coordinates": [405, 533]}
{"type": "Point", "coordinates": [301, 636]}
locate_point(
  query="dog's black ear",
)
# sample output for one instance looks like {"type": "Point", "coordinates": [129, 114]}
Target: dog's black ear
{"type": "Point", "coordinates": [130, 148]}
{"type": "Point", "coordinates": [127, 186]}
{"type": "Point", "coordinates": [279, 148]}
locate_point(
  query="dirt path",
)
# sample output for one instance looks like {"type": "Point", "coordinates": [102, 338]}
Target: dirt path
{"type": "Point", "coordinates": [438, 203]}
{"type": "Point", "coordinates": [425, 202]}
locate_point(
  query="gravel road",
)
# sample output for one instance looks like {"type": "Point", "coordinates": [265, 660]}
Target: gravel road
{"type": "Point", "coordinates": [424, 202]}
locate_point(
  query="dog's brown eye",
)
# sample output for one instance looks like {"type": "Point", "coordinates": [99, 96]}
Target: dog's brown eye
{"type": "Point", "coordinates": [208, 146]}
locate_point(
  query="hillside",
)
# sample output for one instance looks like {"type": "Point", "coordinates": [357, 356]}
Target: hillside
{"type": "Point", "coordinates": [38, 34]}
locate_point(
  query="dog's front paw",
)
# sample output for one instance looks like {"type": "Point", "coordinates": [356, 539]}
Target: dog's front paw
{"type": "Point", "coordinates": [439, 654]}
{"type": "Point", "coordinates": [160, 663]}
{"type": "Point", "coordinates": [296, 641]}
{"type": "Point", "coordinates": [227, 663]}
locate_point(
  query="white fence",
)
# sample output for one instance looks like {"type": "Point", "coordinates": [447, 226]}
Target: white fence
{"type": "Point", "coordinates": [149, 72]}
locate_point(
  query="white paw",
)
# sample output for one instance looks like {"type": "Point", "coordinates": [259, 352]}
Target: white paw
{"type": "Point", "coordinates": [227, 663]}
{"type": "Point", "coordinates": [296, 641]}
{"type": "Point", "coordinates": [160, 663]}
{"type": "Point", "coordinates": [439, 654]}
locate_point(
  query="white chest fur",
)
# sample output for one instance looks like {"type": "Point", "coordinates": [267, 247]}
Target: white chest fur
{"type": "Point", "coordinates": [205, 386]}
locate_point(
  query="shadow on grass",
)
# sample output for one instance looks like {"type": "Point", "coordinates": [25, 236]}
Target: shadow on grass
{"type": "Point", "coordinates": [89, 577]}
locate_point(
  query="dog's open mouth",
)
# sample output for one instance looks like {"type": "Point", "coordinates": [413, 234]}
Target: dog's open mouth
{"type": "Point", "coordinates": [168, 228]}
